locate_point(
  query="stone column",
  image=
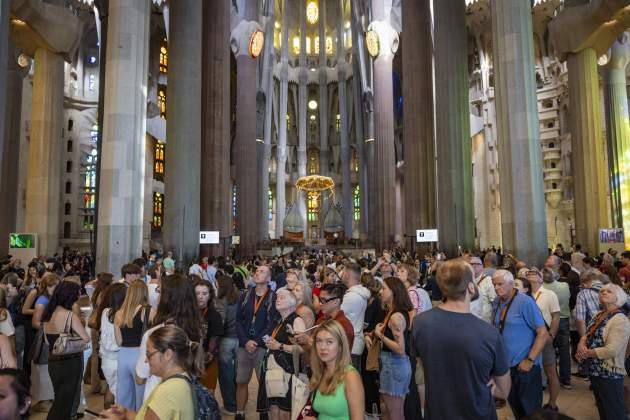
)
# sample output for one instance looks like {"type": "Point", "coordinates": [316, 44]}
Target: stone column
{"type": "Point", "coordinates": [346, 187]}
{"type": "Point", "coordinates": [523, 219]}
{"type": "Point", "coordinates": [216, 197]}
{"type": "Point", "coordinates": [245, 138]}
{"type": "Point", "coordinates": [589, 176]}
{"type": "Point", "coordinates": [358, 125]}
{"type": "Point", "coordinates": [281, 150]}
{"type": "Point", "coordinates": [183, 131]}
{"type": "Point", "coordinates": [10, 148]}
{"type": "Point", "coordinates": [384, 178]}
{"type": "Point", "coordinates": [302, 122]}
{"type": "Point", "coordinates": [5, 11]}
{"type": "Point", "coordinates": [323, 102]}
{"type": "Point", "coordinates": [121, 178]}
{"type": "Point", "coordinates": [44, 171]}
{"type": "Point", "coordinates": [454, 167]}
{"type": "Point", "coordinates": [418, 135]}
{"type": "Point", "coordinates": [618, 133]}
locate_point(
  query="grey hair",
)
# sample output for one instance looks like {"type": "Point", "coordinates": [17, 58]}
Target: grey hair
{"type": "Point", "coordinates": [591, 276]}
{"type": "Point", "coordinates": [551, 272]}
{"type": "Point", "coordinates": [506, 275]}
{"type": "Point", "coordinates": [621, 295]}
{"type": "Point", "coordinates": [307, 295]}
{"type": "Point", "coordinates": [291, 297]}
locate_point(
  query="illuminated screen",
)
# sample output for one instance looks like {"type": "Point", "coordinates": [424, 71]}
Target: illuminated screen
{"type": "Point", "coordinates": [21, 240]}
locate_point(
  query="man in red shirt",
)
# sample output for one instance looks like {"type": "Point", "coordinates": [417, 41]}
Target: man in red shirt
{"type": "Point", "coordinates": [624, 272]}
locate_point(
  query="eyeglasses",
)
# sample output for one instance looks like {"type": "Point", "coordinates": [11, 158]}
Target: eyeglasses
{"type": "Point", "coordinates": [326, 300]}
{"type": "Point", "coordinates": [149, 355]}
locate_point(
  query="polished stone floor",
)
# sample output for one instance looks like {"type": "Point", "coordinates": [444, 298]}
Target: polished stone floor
{"type": "Point", "coordinates": [577, 403]}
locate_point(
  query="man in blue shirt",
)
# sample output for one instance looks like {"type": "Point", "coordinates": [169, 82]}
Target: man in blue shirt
{"type": "Point", "coordinates": [521, 324]}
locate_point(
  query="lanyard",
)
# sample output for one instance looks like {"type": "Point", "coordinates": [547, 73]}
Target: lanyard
{"type": "Point", "coordinates": [258, 302]}
{"type": "Point", "coordinates": [538, 295]}
{"type": "Point", "coordinates": [601, 317]}
{"type": "Point", "coordinates": [504, 312]}
{"type": "Point", "coordinates": [277, 330]}
{"type": "Point", "coordinates": [480, 280]}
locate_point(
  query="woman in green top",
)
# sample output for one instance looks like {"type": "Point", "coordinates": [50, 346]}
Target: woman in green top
{"type": "Point", "coordinates": [337, 386]}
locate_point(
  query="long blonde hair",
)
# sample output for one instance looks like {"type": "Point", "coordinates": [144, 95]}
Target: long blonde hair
{"type": "Point", "coordinates": [137, 295]}
{"type": "Point", "coordinates": [327, 383]}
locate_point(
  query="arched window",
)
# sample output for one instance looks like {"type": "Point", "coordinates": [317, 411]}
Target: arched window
{"type": "Point", "coordinates": [270, 204]}
{"type": "Point", "coordinates": [70, 124]}
{"type": "Point", "coordinates": [67, 230]}
{"type": "Point", "coordinates": [69, 166]}
{"type": "Point", "coordinates": [164, 57]}
{"type": "Point", "coordinates": [158, 157]}
{"type": "Point", "coordinates": [158, 210]}
{"type": "Point", "coordinates": [69, 146]}
{"type": "Point", "coordinates": [68, 187]}
{"type": "Point", "coordinates": [313, 207]}
{"type": "Point", "coordinates": [89, 184]}
{"type": "Point", "coordinates": [94, 134]}
{"type": "Point", "coordinates": [356, 202]}
{"type": "Point", "coordinates": [67, 209]}
{"type": "Point", "coordinates": [162, 100]}
{"type": "Point", "coordinates": [313, 161]}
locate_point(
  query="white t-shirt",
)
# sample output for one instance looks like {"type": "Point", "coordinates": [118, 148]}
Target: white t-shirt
{"type": "Point", "coordinates": [482, 307]}
{"type": "Point", "coordinates": [142, 366]}
{"type": "Point", "coordinates": [109, 348]}
{"type": "Point", "coordinates": [548, 303]}
{"type": "Point", "coordinates": [6, 326]}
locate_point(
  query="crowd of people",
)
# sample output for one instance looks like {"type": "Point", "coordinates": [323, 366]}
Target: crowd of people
{"type": "Point", "coordinates": [328, 335]}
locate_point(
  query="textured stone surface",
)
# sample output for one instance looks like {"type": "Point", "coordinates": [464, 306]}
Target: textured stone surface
{"type": "Point", "coordinates": [523, 222]}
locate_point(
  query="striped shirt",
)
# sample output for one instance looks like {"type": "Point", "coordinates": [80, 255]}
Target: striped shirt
{"type": "Point", "coordinates": [587, 304]}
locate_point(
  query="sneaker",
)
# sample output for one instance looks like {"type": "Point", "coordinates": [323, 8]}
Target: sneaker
{"type": "Point", "coordinates": [225, 412]}
{"type": "Point", "coordinates": [566, 386]}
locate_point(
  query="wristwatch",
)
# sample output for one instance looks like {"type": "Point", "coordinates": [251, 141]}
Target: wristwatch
{"type": "Point", "coordinates": [530, 359]}
{"type": "Point", "coordinates": [281, 347]}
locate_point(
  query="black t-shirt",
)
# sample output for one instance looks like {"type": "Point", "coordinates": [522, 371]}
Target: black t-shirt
{"type": "Point", "coordinates": [460, 353]}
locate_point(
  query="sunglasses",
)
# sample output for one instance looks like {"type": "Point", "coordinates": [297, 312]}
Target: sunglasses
{"type": "Point", "coordinates": [326, 300]}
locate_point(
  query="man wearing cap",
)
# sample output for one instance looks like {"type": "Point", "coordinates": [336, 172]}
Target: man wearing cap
{"type": "Point", "coordinates": [521, 324]}
{"type": "Point", "coordinates": [547, 302]}
{"type": "Point", "coordinates": [482, 307]}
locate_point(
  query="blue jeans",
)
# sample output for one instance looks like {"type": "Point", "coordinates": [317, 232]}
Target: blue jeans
{"type": "Point", "coordinates": [227, 372]}
{"type": "Point", "coordinates": [526, 393]}
{"type": "Point", "coordinates": [609, 398]}
{"type": "Point", "coordinates": [563, 347]}
{"type": "Point", "coordinates": [128, 394]}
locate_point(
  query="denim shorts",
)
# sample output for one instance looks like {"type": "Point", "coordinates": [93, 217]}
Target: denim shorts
{"type": "Point", "coordinates": [395, 374]}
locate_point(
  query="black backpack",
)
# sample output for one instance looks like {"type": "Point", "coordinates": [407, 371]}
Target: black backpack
{"type": "Point", "coordinates": [205, 405]}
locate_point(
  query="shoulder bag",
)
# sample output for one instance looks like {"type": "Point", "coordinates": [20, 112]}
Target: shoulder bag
{"type": "Point", "coordinates": [68, 342]}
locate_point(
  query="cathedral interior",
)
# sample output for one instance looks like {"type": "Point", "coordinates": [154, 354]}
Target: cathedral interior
{"type": "Point", "coordinates": [130, 125]}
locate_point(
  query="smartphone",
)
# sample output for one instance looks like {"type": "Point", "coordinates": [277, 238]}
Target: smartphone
{"type": "Point", "coordinates": [91, 413]}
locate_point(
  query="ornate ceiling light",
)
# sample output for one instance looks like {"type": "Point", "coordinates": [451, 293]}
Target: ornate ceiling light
{"type": "Point", "coordinates": [312, 105]}
{"type": "Point", "coordinates": [316, 185]}
{"type": "Point", "coordinates": [372, 43]}
{"type": "Point", "coordinates": [312, 12]}
{"type": "Point", "coordinates": [256, 43]}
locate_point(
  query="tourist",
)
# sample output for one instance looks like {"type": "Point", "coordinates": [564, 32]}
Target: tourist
{"type": "Point", "coordinates": [66, 370]}
{"type": "Point", "coordinates": [522, 326]}
{"type": "Point", "coordinates": [336, 385]}
{"type": "Point", "coordinates": [490, 262]}
{"type": "Point", "coordinates": [561, 339]}
{"type": "Point", "coordinates": [211, 331]}
{"type": "Point", "coordinates": [280, 356]}
{"type": "Point", "coordinates": [586, 306]}
{"type": "Point", "coordinates": [304, 296]}
{"type": "Point", "coordinates": [395, 366]}
{"type": "Point", "coordinates": [482, 307]}
{"type": "Point", "coordinates": [547, 302]}
{"type": "Point", "coordinates": [103, 280]}
{"type": "Point", "coordinates": [462, 353]}
{"type": "Point", "coordinates": [111, 300]}
{"type": "Point", "coordinates": [374, 314]}
{"type": "Point", "coordinates": [130, 321]}
{"type": "Point", "coordinates": [603, 347]}
{"type": "Point", "coordinates": [32, 277]}
{"type": "Point", "coordinates": [227, 300]}
{"type": "Point", "coordinates": [130, 272]}
{"type": "Point", "coordinates": [353, 306]}
{"type": "Point", "coordinates": [169, 263]}
{"type": "Point", "coordinates": [15, 391]}
{"type": "Point", "coordinates": [177, 306]}
{"type": "Point", "coordinates": [255, 318]}
{"type": "Point", "coordinates": [172, 356]}
{"type": "Point", "coordinates": [409, 275]}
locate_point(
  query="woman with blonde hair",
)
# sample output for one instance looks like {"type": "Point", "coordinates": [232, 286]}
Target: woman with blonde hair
{"type": "Point", "coordinates": [336, 385]}
{"type": "Point", "coordinates": [130, 322]}
{"type": "Point", "coordinates": [304, 296]}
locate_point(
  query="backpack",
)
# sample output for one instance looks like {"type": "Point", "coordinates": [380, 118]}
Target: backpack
{"type": "Point", "coordinates": [205, 405]}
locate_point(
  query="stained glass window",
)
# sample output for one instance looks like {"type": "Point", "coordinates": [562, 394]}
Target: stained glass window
{"type": "Point", "coordinates": [94, 134]}
{"type": "Point", "coordinates": [164, 57]}
{"type": "Point", "coordinates": [158, 157]}
{"type": "Point", "coordinates": [270, 205]}
{"type": "Point", "coordinates": [356, 202]}
{"type": "Point", "coordinates": [158, 210]}
{"type": "Point", "coordinates": [313, 207]}
{"type": "Point", "coordinates": [162, 100]}
{"type": "Point", "coordinates": [234, 206]}
{"type": "Point", "coordinates": [313, 161]}
{"type": "Point", "coordinates": [338, 123]}
{"type": "Point", "coordinates": [89, 190]}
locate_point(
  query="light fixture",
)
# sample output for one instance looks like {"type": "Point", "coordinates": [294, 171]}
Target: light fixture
{"type": "Point", "coordinates": [296, 45]}
{"type": "Point", "coordinates": [348, 25]}
{"type": "Point", "coordinates": [312, 117]}
{"type": "Point", "coordinates": [24, 60]}
{"type": "Point", "coordinates": [312, 12]}
{"type": "Point", "coordinates": [256, 42]}
{"type": "Point", "coordinates": [372, 43]}
{"type": "Point", "coordinates": [312, 105]}
{"type": "Point", "coordinates": [277, 25]}
{"type": "Point", "coordinates": [18, 22]}
{"type": "Point", "coordinates": [92, 59]}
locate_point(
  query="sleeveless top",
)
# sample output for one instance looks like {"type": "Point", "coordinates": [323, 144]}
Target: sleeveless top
{"type": "Point", "coordinates": [132, 336]}
{"type": "Point", "coordinates": [389, 333]}
{"type": "Point", "coordinates": [335, 406]}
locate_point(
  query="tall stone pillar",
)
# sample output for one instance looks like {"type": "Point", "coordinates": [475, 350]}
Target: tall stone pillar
{"type": "Point", "coordinates": [5, 11]}
{"type": "Point", "coordinates": [216, 197]}
{"type": "Point", "coordinates": [589, 176]}
{"type": "Point", "coordinates": [359, 134]}
{"type": "Point", "coordinates": [346, 187]}
{"type": "Point", "coordinates": [44, 172]}
{"type": "Point", "coordinates": [281, 150]}
{"type": "Point", "coordinates": [245, 139]}
{"type": "Point", "coordinates": [454, 165]}
{"type": "Point", "coordinates": [121, 178]}
{"type": "Point", "coordinates": [10, 148]}
{"type": "Point", "coordinates": [618, 133]}
{"type": "Point", "coordinates": [324, 155]}
{"type": "Point", "coordinates": [418, 135]}
{"type": "Point", "coordinates": [384, 163]}
{"type": "Point", "coordinates": [183, 131]}
{"type": "Point", "coordinates": [523, 219]}
{"type": "Point", "coordinates": [302, 121]}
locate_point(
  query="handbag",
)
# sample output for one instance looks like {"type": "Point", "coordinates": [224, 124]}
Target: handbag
{"type": "Point", "coordinates": [68, 342]}
{"type": "Point", "coordinates": [276, 379]}
{"type": "Point", "coordinates": [300, 390]}
{"type": "Point", "coordinates": [371, 361]}
{"type": "Point", "coordinates": [39, 349]}
{"type": "Point", "coordinates": [308, 410]}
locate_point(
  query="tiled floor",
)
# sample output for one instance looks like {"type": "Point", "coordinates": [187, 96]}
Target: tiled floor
{"type": "Point", "coordinates": [577, 403]}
